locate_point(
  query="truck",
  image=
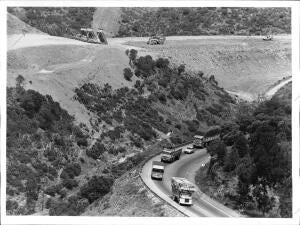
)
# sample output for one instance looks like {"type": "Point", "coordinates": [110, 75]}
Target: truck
{"type": "Point", "coordinates": [170, 154]}
{"type": "Point", "coordinates": [198, 141]}
{"type": "Point", "coordinates": [269, 37]}
{"type": "Point", "coordinates": [156, 40]}
{"type": "Point", "coordinates": [208, 140]}
{"type": "Point", "coordinates": [182, 190]}
{"type": "Point", "coordinates": [91, 36]}
{"type": "Point", "coordinates": [158, 169]}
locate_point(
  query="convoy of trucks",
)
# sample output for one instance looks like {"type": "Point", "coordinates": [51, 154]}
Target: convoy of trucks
{"type": "Point", "coordinates": [182, 190]}
{"type": "Point", "coordinates": [158, 169]}
{"type": "Point", "coordinates": [170, 154]}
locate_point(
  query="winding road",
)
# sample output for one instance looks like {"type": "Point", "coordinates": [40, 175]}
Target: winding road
{"type": "Point", "coordinates": [187, 166]}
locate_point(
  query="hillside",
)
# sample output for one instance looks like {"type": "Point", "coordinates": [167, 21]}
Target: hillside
{"type": "Point", "coordinates": [163, 98]}
{"type": "Point", "coordinates": [243, 65]}
{"type": "Point", "coordinates": [124, 22]}
{"type": "Point", "coordinates": [204, 21]}
{"type": "Point", "coordinates": [58, 21]}
{"type": "Point", "coordinates": [250, 168]}
{"type": "Point", "coordinates": [15, 26]}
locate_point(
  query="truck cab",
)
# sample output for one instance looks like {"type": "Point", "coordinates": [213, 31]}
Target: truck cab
{"type": "Point", "coordinates": [182, 190]}
{"type": "Point", "coordinates": [157, 171]}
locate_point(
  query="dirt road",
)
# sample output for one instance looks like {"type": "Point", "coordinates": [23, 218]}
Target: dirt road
{"type": "Point", "coordinates": [273, 90]}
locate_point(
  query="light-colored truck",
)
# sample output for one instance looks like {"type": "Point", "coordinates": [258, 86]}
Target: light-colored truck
{"type": "Point", "coordinates": [182, 190]}
{"type": "Point", "coordinates": [170, 154]}
{"type": "Point", "coordinates": [158, 169]}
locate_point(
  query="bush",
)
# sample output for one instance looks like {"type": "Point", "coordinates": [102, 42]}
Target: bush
{"type": "Point", "coordinates": [96, 151]}
{"type": "Point", "coordinates": [176, 140]}
{"type": "Point", "coordinates": [178, 126]}
{"type": "Point", "coordinates": [70, 171]}
{"type": "Point", "coordinates": [96, 187]}
{"type": "Point", "coordinates": [181, 69]}
{"type": "Point", "coordinates": [145, 64]}
{"type": "Point", "coordinates": [127, 74]}
{"type": "Point", "coordinates": [162, 98]}
{"type": "Point", "coordinates": [162, 63]}
{"type": "Point", "coordinates": [192, 125]}
{"type": "Point", "coordinates": [69, 183]}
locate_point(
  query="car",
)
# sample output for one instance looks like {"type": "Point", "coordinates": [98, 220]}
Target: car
{"type": "Point", "coordinates": [189, 150]}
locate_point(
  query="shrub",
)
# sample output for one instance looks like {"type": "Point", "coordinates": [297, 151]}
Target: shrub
{"type": "Point", "coordinates": [96, 151]}
{"type": "Point", "coordinates": [162, 63]}
{"type": "Point", "coordinates": [178, 126]}
{"type": "Point", "coordinates": [145, 64]}
{"type": "Point", "coordinates": [162, 98]}
{"type": "Point", "coordinates": [69, 183]}
{"type": "Point", "coordinates": [192, 125]}
{"type": "Point", "coordinates": [96, 187]}
{"type": "Point", "coordinates": [181, 69]}
{"type": "Point", "coordinates": [127, 74]}
{"type": "Point", "coordinates": [70, 171]}
{"type": "Point", "coordinates": [11, 205]}
{"type": "Point", "coordinates": [176, 140]}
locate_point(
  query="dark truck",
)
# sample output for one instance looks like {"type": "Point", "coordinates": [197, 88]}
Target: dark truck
{"type": "Point", "coordinates": [170, 154]}
{"type": "Point", "coordinates": [198, 141]}
{"type": "Point", "coordinates": [211, 135]}
{"type": "Point", "coordinates": [158, 169]}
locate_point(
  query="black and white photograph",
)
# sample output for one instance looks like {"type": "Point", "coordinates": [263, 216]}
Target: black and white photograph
{"type": "Point", "coordinates": [149, 111]}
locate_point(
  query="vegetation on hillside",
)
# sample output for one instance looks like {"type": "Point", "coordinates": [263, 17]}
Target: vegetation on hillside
{"type": "Point", "coordinates": [204, 21]}
{"type": "Point", "coordinates": [65, 21]}
{"type": "Point", "coordinates": [146, 110]}
{"type": "Point", "coordinates": [251, 165]}
{"type": "Point", "coordinates": [49, 158]}
{"type": "Point", "coordinates": [58, 21]}
{"type": "Point", "coordinates": [43, 148]}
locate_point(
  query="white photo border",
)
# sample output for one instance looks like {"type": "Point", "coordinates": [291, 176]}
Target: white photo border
{"type": "Point", "coordinates": [295, 6]}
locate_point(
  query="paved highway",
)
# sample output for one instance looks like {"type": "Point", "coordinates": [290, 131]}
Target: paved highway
{"type": "Point", "coordinates": [186, 167]}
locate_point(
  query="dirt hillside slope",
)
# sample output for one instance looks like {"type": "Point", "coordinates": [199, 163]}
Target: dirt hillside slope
{"type": "Point", "coordinates": [107, 19]}
{"type": "Point", "coordinates": [55, 65]}
{"type": "Point", "coordinates": [16, 26]}
{"type": "Point", "coordinates": [246, 65]}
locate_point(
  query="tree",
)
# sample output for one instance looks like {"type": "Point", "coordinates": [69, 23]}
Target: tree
{"type": "Point", "coordinates": [127, 74]}
{"type": "Point", "coordinates": [96, 187]}
{"type": "Point", "coordinates": [181, 69]}
{"type": "Point", "coordinates": [127, 52]}
{"type": "Point", "coordinates": [264, 201]}
{"type": "Point", "coordinates": [217, 148]}
{"type": "Point", "coordinates": [20, 81]}
{"type": "Point", "coordinates": [241, 145]}
{"type": "Point", "coordinates": [132, 56]}
{"type": "Point", "coordinates": [96, 151]}
{"type": "Point", "coordinates": [231, 160]}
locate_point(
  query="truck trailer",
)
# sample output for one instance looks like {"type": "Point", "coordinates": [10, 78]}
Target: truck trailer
{"type": "Point", "coordinates": [170, 154]}
{"type": "Point", "coordinates": [182, 190]}
{"type": "Point", "coordinates": [198, 141]}
{"type": "Point", "coordinates": [158, 169]}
